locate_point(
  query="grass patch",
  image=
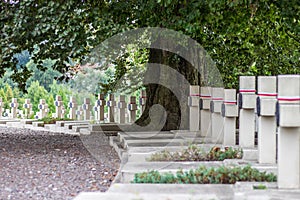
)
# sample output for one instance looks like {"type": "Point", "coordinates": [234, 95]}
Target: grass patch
{"type": "Point", "coordinates": [195, 153]}
{"type": "Point", "coordinates": [52, 120]}
{"type": "Point", "coordinates": [204, 175]}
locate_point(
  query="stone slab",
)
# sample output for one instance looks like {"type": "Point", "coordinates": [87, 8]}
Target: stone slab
{"type": "Point", "coordinates": [70, 125]}
{"type": "Point", "coordinates": [4, 121]}
{"type": "Point", "coordinates": [38, 124]}
{"type": "Point", "coordinates": [62, 123]}
{"type": "Point", "coordinates": [77, 128]}
{"type": "Point", "coordinates": [142, 196]}
{"type": "Point", "coordinates": [28, 121]}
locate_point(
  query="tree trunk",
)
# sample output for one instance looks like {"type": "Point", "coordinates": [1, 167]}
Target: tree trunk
{"type": "Point", "coordinates": [181, 75]}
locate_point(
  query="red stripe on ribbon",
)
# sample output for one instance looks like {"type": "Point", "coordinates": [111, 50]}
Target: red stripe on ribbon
{"type": "Point", "coordinates": [229, 102]}
{"type": "Point", "coordinates": [205, 96]}
{"type": "Point", "coordinates": [247, 90]}
{"type": "Point", "coordinates": [288, 99]}
{"type": "Point", "coordinates": [143, 96]}
{"type": "Point", "coordinates": [195, 95]}
{"type": "Point", "coordinates": [217, 98]}
{"type": "Point", "coordinates": [267, 94]}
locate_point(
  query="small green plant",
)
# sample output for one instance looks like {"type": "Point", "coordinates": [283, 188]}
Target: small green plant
{"type": "Point", "coordinates": [195, 153]}
{"type": "Point", "coordinates": [259, 187]}
{"type": "Point", "coordinates": [52, 120]}
{"type": "Point", "coordinates": [204, 175]}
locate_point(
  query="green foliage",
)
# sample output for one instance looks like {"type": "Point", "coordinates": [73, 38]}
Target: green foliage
{"type": "Point", "coordinates": [195, 153]}
{"type": "Point", "coordinates": [242, 37]}
{"type": "Point", "coordinates": [52, 120]}
{"type": "Point", "coordinates": [204, 175]}
{"type": "Point", "coordinates": [35, 92]}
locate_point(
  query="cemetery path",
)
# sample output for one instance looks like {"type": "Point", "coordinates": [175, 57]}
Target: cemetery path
{"type": "Point", "coordinates": [46, 165]}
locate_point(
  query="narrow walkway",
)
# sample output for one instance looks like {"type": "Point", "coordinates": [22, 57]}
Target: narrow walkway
{"type": "Point", "coordinates": [48, 165]}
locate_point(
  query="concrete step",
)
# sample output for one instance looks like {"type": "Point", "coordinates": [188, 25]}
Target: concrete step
{"type": "Point", "coordinates": [62, 123]}
{"type": "Point", "coordinates": [142, 196]}
{"type": "Point", "coordinates": [77, 128]}
{"type": "Point", "coordinates": [70, 125]}
{"type": "Point", "coordinates": [5, 121]}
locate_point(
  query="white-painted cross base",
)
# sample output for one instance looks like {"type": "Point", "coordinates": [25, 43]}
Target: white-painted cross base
{"type": "Point", "coordinates": [217, 128]}
{"type": "Point", "coordinates": [289, 158]}
{"type": "Point", "coordinates": [246, 128]}
{"type": "Point", "coordinates": [229, 131]}
{"type": "Point", "coordinates": [205, 123]}
{"type": "Point", "coordinates": [267, 140]}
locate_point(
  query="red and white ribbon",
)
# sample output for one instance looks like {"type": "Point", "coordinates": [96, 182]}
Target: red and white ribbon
{"type": "Point", "coordinates": [217, 98]}
{"type": "Point", "coordinates": [266, 94]}
{"type": "Point", "coordinates": [283, 98]}
{"type": "Point", "coordinates": [247, 90]}
{"type": "Point", "coordinates": [229, 102]}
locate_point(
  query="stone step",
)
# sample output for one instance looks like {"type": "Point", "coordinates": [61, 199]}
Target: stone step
{"type": "Point", "coordinates": [70, 125]}
{"type": "Point", "coordinates": [62, 123]}
{"type": "Point", "coordinates": [160, 142]}
{"type": "Point", "coordinates": [5, 121]}
{"type": "Point", "coordinates": [77, 128]}
{"type": "Point", "coordinates": [142, 196]}
{"type": "Point", "coordinates": [28, 121]}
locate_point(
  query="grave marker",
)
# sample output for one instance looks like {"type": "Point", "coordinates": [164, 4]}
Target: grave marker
{"type": "Point", "coordinates": [14, 107]}
{"type": "Point", "coordinates": [193, 101]}
{"type": "Point", "coordinates": [58, 107]}
{"type": "Point", "coordinates": [99, 108]}
{"type": "Point", "coordinates": [288, 114]}
{"type": "Point", "coordinates": [266, 108]}
{"type": "Point", "coordinates": [230, 113]}
{"type": "Point", "coordinates": [72, 108]}
{"type": "Point", "coordinates": [79, 113]}
{"type": "Point", "coordinates": [217, 120]}
{"type": "Point", "coordinates": [143, 100]}
{"type": "Point", "coordinates": [132, 108]}
{"type": "Point", "coordinates": [122, 108]}
{"type": "Point", "coordinates": [28, 108]}
{"type": "Point", "coordinates": [1, 107]}
{"type": "Point", "coordinates": [86, 106]}
{"type": "Point", "coordinates": [111, 103]}
{"type": "Point", "coordinates": [247, 104]}
{"type": "Point", "coordinates": [205, 114]}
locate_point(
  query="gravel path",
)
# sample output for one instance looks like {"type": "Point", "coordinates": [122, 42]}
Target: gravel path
{"type": "Point", "coordinates": [45, 165]}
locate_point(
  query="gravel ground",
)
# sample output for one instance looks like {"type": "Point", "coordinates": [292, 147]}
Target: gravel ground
{"type": "Point", "coordinates": [45, 165]}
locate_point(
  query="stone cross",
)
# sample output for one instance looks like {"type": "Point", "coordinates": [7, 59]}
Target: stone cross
{"type": "Point", "coordinates": [247, 105]}
{"type": "Point", "coordinates": [205, 119]}
{"type": "Point", "coordinates": [111, 103]}
{"type": "Point", "coordinates": [266, 110]}
{"type": "Point", "coordinates": [58, 106]}
{"type": "Point", "coordinates": [99, 108]}
{"type": "Point", "coordinates": [143, 99]}
{"type": "Point", "coordinates": [72, 108]}
{"type": "Point", "coordinates": [122, 108]}
{"type": "Point", "coordinates": [216, 117]}
{"type": "Point", "coordinates": [14, 107]}
{"type": "Point", "coordinates": [79, 113]}
{"type": "Point", "coordinates": [193, 102]}
{"type": "Point", "coordinates": [28, 108]}
{"type": "Point", "coordinates": [132, 107]}
{"type": "Point", "coordinates": [86, 106]}
{"type": "Point", "coordinates": [43, 109]}
{"type": "Point", "coordinates": [288, 115]}
{"type": "Point", "coordinates": [1, 107]}
{"type": "Point", "coordinates": [63, 111]}
{"type": "Point", "coordinates": [230, 113]}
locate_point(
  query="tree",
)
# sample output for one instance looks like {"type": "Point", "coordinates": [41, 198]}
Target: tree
{"type": "Point", "coordinates": [242, 37]}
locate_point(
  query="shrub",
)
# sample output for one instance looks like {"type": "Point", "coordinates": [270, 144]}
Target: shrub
{"type": "Point", "coordinates": [204, 175]}
{"type": "Point", "coordinates": [195, 153]}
